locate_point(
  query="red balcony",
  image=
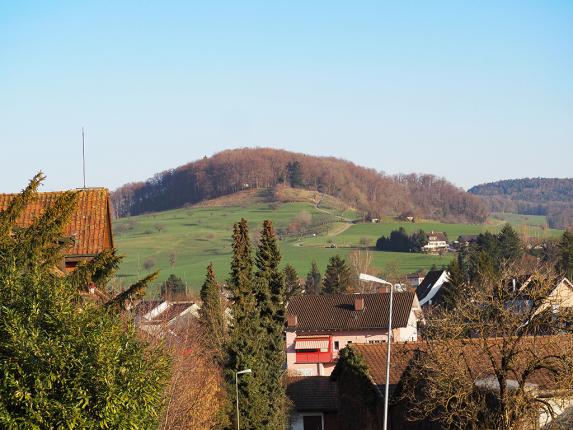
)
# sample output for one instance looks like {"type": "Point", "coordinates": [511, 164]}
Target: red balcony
{"type": "Point", "coordinates": [314, 349]}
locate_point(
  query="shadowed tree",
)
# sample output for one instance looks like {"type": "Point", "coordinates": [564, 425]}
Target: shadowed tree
{"type": "Point", "coordinates": [212, 312]}
{"type": "Point", "coordinates": [292, 282]}
{"type": "Point", "coordinates": [338, 277]}
{"type": "Point", "coordinates": [313, 284]}
{"type": "Point", "coordinates": [565, 264]}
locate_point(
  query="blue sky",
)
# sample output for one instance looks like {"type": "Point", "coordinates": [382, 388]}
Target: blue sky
{"type": "Point", "coordinates": [472, 91]}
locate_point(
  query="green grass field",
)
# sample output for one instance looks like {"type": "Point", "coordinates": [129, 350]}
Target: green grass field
{"type": "Point", "coordinates": [185, 241]}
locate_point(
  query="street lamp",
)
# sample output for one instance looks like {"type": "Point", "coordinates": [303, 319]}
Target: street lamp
{"type": "Point", "coordinates": [370, 278]}
{"type": "Point", "coordinates": [237, 390]}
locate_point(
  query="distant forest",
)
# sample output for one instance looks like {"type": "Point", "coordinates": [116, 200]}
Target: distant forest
{"type": "Point", "coordinates": [372, 192]}
{"type": "Point", "coordinates": [552, 197]}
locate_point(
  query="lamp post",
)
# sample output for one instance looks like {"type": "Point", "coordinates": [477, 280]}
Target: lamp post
{"type": "Point", "coordinates": [370, 278]}
{"type": "Point", "coordinates": [237, 390]}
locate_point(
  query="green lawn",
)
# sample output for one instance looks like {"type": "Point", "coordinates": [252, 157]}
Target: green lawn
{"type": "Point", "coordinates": [197, 236]}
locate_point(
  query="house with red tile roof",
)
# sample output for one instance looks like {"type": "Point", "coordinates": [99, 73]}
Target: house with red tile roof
{"type": "Point", "coordinates": [319, 326]}
{"type": "Point", "coordinates": [89, 226]}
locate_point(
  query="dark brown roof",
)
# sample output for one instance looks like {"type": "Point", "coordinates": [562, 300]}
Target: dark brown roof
{"type": "Point", "coordinates": [468, 350]}
{"type": "Point", "coordinates": [90, 224]}
{"type": "Point", "coordinates": [437, 235]}
{"type": "Point", "coordinates": [312, 393]}
{"type": "Point", "coordinates": [319, 313]}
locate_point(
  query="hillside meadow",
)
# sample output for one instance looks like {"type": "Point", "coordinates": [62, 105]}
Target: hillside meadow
{"type": "Point", "coordinates": [184, 241]}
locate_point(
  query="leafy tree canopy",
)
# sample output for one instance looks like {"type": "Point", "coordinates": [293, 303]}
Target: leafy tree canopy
{"type": "Point", "coordinates": [65, 359]}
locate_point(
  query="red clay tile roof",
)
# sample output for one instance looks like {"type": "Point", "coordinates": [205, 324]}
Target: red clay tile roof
{"type": "Point", "coordinates": [319, 313]}
{"type": "Point", "coordinates": [312, 393]}
{"type": "Point", "coordinates": [90, 223]}
{"type": "Point", "coordinates": [469, 351]}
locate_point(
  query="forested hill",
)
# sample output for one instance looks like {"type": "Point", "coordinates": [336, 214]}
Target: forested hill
{"type": "Point", "coordinates": [235, 170]}
{"type": "Point", "coordinates": [532, 196]}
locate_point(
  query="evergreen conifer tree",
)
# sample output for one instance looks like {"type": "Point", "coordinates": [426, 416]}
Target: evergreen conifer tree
{"type": "Point", "coordinates": [338, 277]}
{"type": "Point", "coordinates": [313, 284]}
{"type": "Point", "coordinates": [271, 302]}
{"type": "Point", "coordinates": [211, 312]}
{"type": "Point", "coordinates": [509, 246]}
{"type": "Point", "coordinates": [246, 343]}
{"type": "Point", "coordinates": [173, 288]}
{"type": "Point", "coordinates": [292, 282]}
{"type": "Point", "coordinates": [64, 358]}
{"type": "Point", "coordinates": [565, 264]}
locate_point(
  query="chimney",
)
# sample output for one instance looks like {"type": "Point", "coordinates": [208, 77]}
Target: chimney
{"type": "Point", "coordinates": [359, 303]}
{"type": "Point", "coordinates": [292, 321]}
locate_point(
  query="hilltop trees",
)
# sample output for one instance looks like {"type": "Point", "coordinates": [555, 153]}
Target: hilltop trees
{"type": "Point", "coordinates": [235, 170]}
{"type": "Point", "coordinates": [255, 339]}
{"type": "Point", "coordinates": [66, 359]}
{"type": "Point", "coordinates": [313, 284]}
{"type": "Point", "coordinates": [338, 277]}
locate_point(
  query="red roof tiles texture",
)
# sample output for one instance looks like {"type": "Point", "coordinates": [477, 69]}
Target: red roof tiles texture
{"type": "Point", "coordinates": [90, 224]}
{"type": "Point", "coordinates": [471, 352]}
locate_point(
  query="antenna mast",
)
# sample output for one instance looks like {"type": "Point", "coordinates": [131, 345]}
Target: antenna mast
{"type": "Point", "coordinates": [84, 156]}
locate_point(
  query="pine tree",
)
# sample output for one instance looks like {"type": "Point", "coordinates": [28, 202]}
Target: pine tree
{"type": "Point", "coordinates": [313, 284]}
{"type": "Point", "coordinates": [173, 288]}
{"type": "Point", "coordinates": [246, 344]}
{"type": "Point", "coordinates": [337, 278]}
{"type": "Point", "coordinates": [211, 312]}
{"type": "Point", "coordinates": [292, 282]}
{"type": "Point", "coordinates": [271, 302]}
{"type": "Point", "coordinates": [565, 264]}
{"type": "Point", "coordinates": [64, 358]}
{"type": "Point", "coordinates": [509, 247]}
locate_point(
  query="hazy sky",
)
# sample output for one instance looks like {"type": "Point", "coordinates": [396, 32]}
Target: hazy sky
{"type": "Point", "coordinates": [473, 91]}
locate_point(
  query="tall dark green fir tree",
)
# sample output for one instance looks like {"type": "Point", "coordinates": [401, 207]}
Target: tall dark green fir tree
{"type": "Point", "coordinates": [271, 301]}
{"type": "Point", "coordinates": [212, 312]}
{"type": "Point", "coordinates": [509, 246]}
{"type": "Point", "coordinates": [247, 338]}
{"type": "Point", "coordinates": [565, 263]}
{"type": "Point", "coordinates": [338, 277]}
{"type": "Point", "coordinates": [292, 282]}
{"type": "Point", "coordinates": [313, 284]}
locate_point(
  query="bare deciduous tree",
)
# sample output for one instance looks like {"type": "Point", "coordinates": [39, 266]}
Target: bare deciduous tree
{"type": "Point", "coordinates": [361, 262]}
{"type": "Point", "coordinates": [500, 357]}
{"type": "Point", "coordinates": [195, 397]}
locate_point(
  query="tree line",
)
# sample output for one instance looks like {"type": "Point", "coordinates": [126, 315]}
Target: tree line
{"type": "Point", "coordinates": [227, 172]}
{"type": "Point", "coordinates": [552, 197]}
{"type": "Point", "coordinates": [400, 241]}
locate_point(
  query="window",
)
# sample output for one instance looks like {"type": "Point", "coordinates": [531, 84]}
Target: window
{"type": "Point", "coordinates": [336, 345]}
{"type": "Point", "coordinates": [374, 341]}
